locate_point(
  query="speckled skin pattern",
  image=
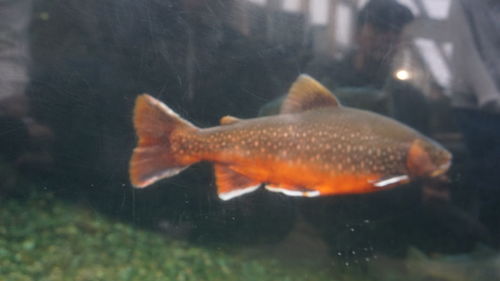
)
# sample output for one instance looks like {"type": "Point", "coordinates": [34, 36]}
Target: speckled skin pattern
{"type": "Point", "coordinates": [333, 150]}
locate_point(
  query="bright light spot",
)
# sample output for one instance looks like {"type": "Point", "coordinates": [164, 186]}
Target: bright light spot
{"type": "Point", "coordinates": [318, 10]}
{"type": "Point", "coordinates": [402, 74]}
{"type": "Point", "coordinates": [428, 49]}
{"type": "Point", "coordinates": [343, 23]}
{"type": "Point", "coordinates": [292, 5]}
{"type": "Point", "coordinates": [258, 2]}
{"type": "Point", "coordinates": [437, 9]}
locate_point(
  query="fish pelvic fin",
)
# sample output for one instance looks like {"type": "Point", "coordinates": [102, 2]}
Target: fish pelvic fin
{"type": "Point", "coordinates": [231, 184]}
{"type": "Point", "coordinates": [153, 158]}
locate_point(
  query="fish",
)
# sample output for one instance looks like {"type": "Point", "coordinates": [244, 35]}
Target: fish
{"type": "Point", "coordinates": [314, 147]}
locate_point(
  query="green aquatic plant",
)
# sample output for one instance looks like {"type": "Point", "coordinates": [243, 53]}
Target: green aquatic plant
{"type": "Point", "coordinates": [44, 238]}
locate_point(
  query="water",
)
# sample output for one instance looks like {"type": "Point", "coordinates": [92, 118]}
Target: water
{"type": "Point", "coordinates": [69, 212]}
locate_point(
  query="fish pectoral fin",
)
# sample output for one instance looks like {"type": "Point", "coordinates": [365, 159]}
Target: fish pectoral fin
{"type": "Point", "coordinates": [228, 120]}
{"type": "Point", "coordinates": [231, 184]}
{"type": "Point", "coordinates": [305, 94]}
{"type": "Point", "coordinates": [391, 181]}
{"type": "Point", "coordinates": [293, 191]}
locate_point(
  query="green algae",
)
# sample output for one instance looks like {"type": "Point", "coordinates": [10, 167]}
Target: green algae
{"type": "Point", "coordinates": [44, 238]}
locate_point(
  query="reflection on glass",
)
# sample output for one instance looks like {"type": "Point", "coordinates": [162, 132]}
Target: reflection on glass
{"type": "Point", "coordinates": [292, 5]}
{"type": "Point", "coordinates": [437, 9]}
{"type": "Point", "coordinates": [343, 25]}
{"type": "Point", "coordinates": [319, 11]}
{"type": "Point", "coordinates": [68, 82]}
{"type": "Point", "coordinates": [259, 2]}
{"type": "Point", "coordinates": [434, 60]}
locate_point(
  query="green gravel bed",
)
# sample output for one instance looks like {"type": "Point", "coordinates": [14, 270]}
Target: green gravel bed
{"type": "Point", "coordinates": [44, 238]}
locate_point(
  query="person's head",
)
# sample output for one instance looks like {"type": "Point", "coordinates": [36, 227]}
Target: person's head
{"type": "Point", "coordinates": [379, 27]}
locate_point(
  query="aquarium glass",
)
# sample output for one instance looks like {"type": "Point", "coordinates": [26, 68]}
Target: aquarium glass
{"type": "Point", "coordinates": [249, 140]}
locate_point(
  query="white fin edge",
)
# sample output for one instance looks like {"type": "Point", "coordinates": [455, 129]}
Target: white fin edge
{"type": "Point", "coordinates": [295, 193]}
{"type": "Point", "coordinates": [156, 102]}
{"type": "Point", "coordinates": [238, 192]}
{"type": "Point", "coordinates": [390, 181]}
{"type": "Point", "coordinates": [160, 175]}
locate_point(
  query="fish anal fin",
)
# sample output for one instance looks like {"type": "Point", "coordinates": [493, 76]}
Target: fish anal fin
{"type": "Point", "coordinates": [305, 94]}
{"type": "Point", "coordinates": [293, 191]}
{"type": "Point", "coordinates": [231, 184]}
{"type": "Point", "coordinates": [228, 120]}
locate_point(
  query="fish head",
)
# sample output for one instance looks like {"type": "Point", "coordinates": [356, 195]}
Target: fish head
{"type": "Point", "coordinates": [427, 159]}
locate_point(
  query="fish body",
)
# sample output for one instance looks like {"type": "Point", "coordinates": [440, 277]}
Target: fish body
{"type": "Point", "coordinates": [314, 147]}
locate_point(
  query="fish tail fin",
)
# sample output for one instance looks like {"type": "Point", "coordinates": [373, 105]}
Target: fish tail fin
{"type": "Point", "coordinates": [153, 158]}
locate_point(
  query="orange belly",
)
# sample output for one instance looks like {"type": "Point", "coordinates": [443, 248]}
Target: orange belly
{"type": "Point", "coordinates": [289, 176]}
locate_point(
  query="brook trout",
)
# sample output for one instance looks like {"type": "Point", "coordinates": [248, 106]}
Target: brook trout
{"type": "Point", "coordinates": [314, 147]}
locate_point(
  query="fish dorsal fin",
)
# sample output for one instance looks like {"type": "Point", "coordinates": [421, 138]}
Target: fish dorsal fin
{"type": "Point", "coordinates": [228, 120]}
{"type": "Point", "coordinates": [305, 94]}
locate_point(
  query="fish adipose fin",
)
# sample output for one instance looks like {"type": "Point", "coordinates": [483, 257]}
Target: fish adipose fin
{"type": "Point", "coordinates": [228, 120]}
{"type": "Point", "coordinates": [231, 184]}
{"type": "Point", "coordinates": [153, 159]}
{"type": "Point", "coordinates": [305, 94]}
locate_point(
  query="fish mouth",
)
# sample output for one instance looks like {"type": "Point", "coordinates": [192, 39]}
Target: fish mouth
{"type": "Point", "coordinates": [441, 170]}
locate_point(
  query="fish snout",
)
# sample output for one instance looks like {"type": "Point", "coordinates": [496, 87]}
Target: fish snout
{"type": "Point", "coordinates": [427, 159]}
{"type": "Point", "coordinates": [443, 168]}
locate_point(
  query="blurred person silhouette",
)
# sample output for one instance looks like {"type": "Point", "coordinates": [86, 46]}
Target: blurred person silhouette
{"type": "Point", "coordinates": [474, 27]}
{"type": "Point", "coordinates": [21, 135]}
{"type": "Point", "coordinates": [363, 78]}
